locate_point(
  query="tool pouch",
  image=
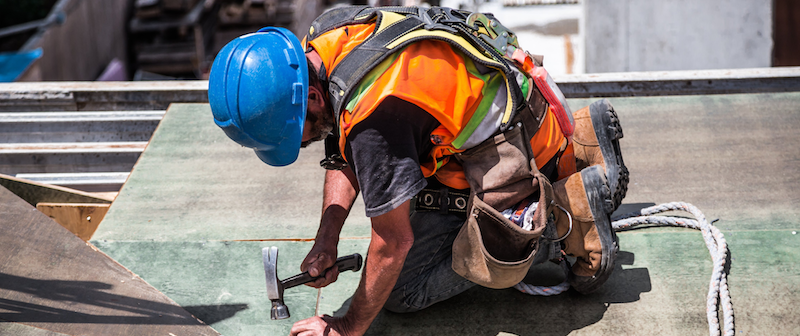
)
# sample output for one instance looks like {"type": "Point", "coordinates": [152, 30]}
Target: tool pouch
{"type": "Point", "coordinates": [490, 250]}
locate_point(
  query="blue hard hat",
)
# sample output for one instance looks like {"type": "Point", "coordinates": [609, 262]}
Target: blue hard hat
{"type": "Point", "coordinates": [258, 91]}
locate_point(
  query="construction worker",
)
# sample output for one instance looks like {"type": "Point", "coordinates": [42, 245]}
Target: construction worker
{"type": "Point", "coordinates": [408, 100]}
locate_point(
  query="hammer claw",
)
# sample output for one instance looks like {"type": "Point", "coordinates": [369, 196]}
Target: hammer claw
{"type": "Point", "coordinates": [276, 286]}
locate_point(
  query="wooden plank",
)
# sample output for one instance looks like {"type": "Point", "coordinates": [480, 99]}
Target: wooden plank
{"type": "Point", "coordinates": [51, 279]}
{"type": "Point", "coordinates": [81, 219]}
{"type": "Point", "coordinates": [34, 192]}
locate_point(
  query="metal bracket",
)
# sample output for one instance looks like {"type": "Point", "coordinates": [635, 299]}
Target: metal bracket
{"type": "Point", "coordinates": [503, 40]}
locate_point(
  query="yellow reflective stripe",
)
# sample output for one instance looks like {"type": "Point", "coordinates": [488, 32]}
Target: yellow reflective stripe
{"type": "Point", "coordinates": [509, 104]}
{"type": "Point", "coordinates": [388, 19]}
{"type": "Point", "coordinates": [444, 35]}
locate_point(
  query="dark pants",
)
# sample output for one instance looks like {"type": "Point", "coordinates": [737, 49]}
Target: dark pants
{"type": "Point", "coordinates": [427, 276]}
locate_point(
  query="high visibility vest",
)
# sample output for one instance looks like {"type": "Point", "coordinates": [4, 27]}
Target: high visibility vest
{"type": "Point", "coordinates": [447, 62]}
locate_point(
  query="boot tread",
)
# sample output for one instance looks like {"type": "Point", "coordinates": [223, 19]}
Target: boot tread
{"type": "Point", "coordinates": [604, 117]}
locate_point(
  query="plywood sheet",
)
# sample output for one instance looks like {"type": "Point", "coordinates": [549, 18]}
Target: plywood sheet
{"type": "Point", "coordinates": [52, 280]}
{"type": "Point", "coordinates": [734, 156]}
{"type": "Point", "coordinates": [198, 203]}
{"type": "Point", "coordinates": [193, 183]}
{"type": "Point", "coordinates": [223, 283]}
{"type": "Point", "coordinates": [658, 288]}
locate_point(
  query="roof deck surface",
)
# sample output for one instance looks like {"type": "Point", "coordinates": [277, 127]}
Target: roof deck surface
{"type": "Point", "coordinates": [197, 209]}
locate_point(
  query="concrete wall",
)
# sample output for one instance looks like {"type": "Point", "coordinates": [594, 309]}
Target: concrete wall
{"type": "Point", "coordinates": [80, 48]}
{"type": "Point", "coordinates": [651, 35]}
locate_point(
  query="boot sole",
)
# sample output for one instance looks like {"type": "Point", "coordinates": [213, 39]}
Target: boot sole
{"type": "Point", "coordinates": [608, 130]}
{"type": "Point", "coordinates": [599, 195]}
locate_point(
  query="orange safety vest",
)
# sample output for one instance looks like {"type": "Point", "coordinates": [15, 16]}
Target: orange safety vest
{"type": "Point", "coordinates": [442, 81]}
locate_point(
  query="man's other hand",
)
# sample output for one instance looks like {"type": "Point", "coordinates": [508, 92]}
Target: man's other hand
{"type": "Point", "coordinates": [321, 257]}
{"type": "Point", "coordinates": [320, 325]}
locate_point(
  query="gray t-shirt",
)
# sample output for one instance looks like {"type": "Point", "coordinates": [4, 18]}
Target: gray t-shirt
{"type": "Point", "coordinates": [385, 149]}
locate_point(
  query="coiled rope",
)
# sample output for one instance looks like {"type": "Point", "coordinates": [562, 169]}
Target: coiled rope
{"type": "Point", "coordinates": [718, 294]}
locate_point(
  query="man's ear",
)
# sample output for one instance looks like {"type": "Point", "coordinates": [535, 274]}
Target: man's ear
{"type": "Point", "coordinates": [315, 97]}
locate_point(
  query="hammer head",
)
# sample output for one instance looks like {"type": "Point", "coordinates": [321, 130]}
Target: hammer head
{"type": "Point", "coordinates": [274, 286]}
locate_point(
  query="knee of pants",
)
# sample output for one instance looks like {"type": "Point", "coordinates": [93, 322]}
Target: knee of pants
{"type": "Point", "coordinates": [400, 307]}
{"type": "Point", "coordinates": [397, 302]}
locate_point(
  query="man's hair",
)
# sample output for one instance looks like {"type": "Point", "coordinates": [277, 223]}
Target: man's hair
{"type": "Point", "coordinates": [313, 77]}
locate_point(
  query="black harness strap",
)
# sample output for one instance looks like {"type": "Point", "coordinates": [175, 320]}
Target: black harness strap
{"type": "Point", "coordinates": [362, 59]}
{"type": "Point", "coordinates": [333, 19]}
{"type": "Point", "coordinates": [347, 15]}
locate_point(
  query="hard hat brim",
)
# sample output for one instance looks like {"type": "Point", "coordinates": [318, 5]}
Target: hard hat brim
{"type": "Point", "coordinates": [284, 154]}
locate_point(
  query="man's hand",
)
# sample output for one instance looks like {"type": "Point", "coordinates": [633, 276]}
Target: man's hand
{"type": "Point", "coordinates": [321, 257]}
{"type": "Point", "coordinates": [320, 325]}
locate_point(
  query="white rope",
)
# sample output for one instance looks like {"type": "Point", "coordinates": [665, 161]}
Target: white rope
{"type": "Point", "coordinates": [545, 290]}
{"type": "Point", "coordinates": [718, 294]}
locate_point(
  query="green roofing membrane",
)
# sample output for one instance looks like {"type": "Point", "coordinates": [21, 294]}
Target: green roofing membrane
{"type": "Point", "coordinates": [197, 209]}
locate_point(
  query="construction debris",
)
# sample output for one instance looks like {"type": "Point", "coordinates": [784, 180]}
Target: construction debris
{"type": "Point", "coordinates": [179, 38]}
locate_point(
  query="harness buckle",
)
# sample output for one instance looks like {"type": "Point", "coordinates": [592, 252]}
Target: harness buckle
{"type": "Point", "coordinates": [333, 158]}
{"type": "Point", "coordinates": [502, 39]}
{"type": "Point", "coordinates": [333, 162]}
{"type": "Point", "coordinates": [433, 23]}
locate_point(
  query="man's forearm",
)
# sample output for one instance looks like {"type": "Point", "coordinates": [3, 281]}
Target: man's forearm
{"type": "Point", "coordinates": [390, 242]}
{"type": "Point", "coordinates": [339, 194]}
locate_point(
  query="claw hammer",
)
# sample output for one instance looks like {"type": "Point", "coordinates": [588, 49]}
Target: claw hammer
{"type": "Point", "coordinates": [275, 287]}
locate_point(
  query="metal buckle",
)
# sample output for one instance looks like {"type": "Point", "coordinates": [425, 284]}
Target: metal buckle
{"type": "Point", "coordinates": [333, 162]}
{"type": "Point", "coordinates": [503, 40]}
{"type": "Point", "coordinates": [443, 200]}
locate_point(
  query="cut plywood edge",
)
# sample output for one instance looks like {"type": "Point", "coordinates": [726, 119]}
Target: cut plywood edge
{"type": "Point", "coordinates": [81, 219]}
{"type": "Point", "coordinates": [110, 195]}
{"type": "Point", "coordinates": [35, 192]}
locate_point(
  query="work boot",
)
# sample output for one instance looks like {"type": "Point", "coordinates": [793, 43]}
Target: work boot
{"type": "Point", "coordinates": [592, 240]}
{"type": "Point", "coordinates": [596, 142]}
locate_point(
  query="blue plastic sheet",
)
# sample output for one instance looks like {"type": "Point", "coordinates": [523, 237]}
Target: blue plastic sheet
{"type": "Point", "coordinates": [13, 64]}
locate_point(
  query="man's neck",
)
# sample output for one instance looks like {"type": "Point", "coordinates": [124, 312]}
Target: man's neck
{"type": "Point", "coordinates": [313, 56]}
